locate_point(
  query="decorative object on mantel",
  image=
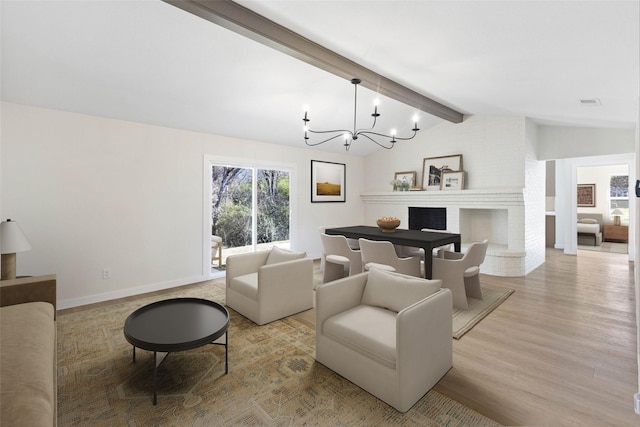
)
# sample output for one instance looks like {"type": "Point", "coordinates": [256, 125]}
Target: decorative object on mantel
{"type": "Point", "coordinates": [328, 181]}
{"type": "Point", "coordinates": [388, 224]}
{"type": "Point", "coordinates": [434, 167]}
{"type": "Point", "coordinates": [452, 181]}
{"type": "Point", "coordinates": [587, 195]}
{"type": "Point", "coordinates": [403, 181]}
{"type": "Point", "coordinates": [352, 135]}
{"type": "Point", "coordinates": [12, 240]}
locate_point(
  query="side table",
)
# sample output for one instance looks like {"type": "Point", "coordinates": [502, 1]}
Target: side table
{"type": "Point", "coordinates": [616, 233]}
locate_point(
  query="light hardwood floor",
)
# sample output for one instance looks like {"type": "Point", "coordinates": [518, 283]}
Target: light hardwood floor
{"type": "Point", "coordinates": [560, 351]}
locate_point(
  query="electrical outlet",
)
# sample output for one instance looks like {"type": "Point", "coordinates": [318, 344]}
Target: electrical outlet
{"type": "Point", "coordinates": [106, 273]}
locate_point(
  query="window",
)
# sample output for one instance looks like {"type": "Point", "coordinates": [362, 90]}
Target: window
{"type": "Point", "coordinates": [619, 197]}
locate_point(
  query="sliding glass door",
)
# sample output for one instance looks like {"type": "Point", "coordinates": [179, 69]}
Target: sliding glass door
{"type": "Point", "coordinates": [250, 207]}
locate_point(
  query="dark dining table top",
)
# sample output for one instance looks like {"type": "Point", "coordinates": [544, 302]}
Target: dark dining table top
{"type": "Point", "coordinates": [400, 236]}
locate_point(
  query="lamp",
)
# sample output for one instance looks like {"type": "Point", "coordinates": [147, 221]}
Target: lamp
{"type": "Point", "coordinates": [352, 135]}
{"type": "Point", "coordinates": [12, 240]}
{"type": "Point", "coordinates": [616, 216]}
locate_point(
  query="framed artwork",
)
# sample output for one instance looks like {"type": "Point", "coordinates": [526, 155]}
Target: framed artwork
{"type": "Point", "coordinates": [433, 167]}
{"type": "Point", "coordinates": [406, 177]}
{"type": "Point", "coordinates": [328, 182]}
{"type": "Point", "coordinates": [452, 181]}
{"type": "Point", "coordinates": [586, 195]}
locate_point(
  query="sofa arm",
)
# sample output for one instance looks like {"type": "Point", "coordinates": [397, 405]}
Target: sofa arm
{"type": "Point", "coordinates": [338, 296]}
{"type": "Point", "coordinates": [29, 289]}
{"type": "Point", "coordinates": [241, 264]}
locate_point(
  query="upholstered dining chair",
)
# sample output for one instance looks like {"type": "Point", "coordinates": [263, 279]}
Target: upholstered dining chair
{"type": "Point", "coordinates": [382, 255]}
{"type": "Point", "coordinates": [340, 259]}
{"type": "Point", "coordinates": [268, 285]}
{"type": "Point", "coordinates": [353, 244]}
{"type": "Point", "coordinates": [460, 272]}
{"type": "Point", "coordinates": [406, 251]}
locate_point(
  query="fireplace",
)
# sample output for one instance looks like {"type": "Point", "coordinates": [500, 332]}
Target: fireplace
{"type": "Point", "coordinates": [434, 218]}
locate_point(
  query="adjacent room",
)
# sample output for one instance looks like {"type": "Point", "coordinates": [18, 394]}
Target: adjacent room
{"type": "Point", "coordinates": [378, 212]}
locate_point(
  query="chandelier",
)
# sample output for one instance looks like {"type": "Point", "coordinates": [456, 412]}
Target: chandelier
{"type": "Point", "coordinates": [352, 135]}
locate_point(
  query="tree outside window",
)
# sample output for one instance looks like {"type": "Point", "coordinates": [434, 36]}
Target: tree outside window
{"type": "Point", "coordinates": [619, 197]}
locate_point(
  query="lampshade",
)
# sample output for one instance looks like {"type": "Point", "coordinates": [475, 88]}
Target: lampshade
{"type": "Point", "coordinates": [617, 211]}
{"type": "Point", "coordinates": [12, 238]}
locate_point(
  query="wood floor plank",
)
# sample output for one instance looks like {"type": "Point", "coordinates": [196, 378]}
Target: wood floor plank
{"type": "Point", "coordinates": [561, 351]}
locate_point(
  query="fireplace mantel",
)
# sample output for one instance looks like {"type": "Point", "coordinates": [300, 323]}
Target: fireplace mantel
{"type": "Point", "coordinates": [495, 214]}
{"type": "Point", "coordinates": [492, 198]}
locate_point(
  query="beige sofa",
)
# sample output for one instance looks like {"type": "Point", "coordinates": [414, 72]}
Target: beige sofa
{"type": "Point", "coordinates": [28, 395]}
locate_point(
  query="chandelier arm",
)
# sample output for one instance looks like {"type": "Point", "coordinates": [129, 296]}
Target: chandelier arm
{"type": "Point", "coordinates": [322, 142]}
{"type": "Point", "coordinates": [342, 132]}
{"type": "Point", "coordinates": [397, 138]}
{"type": "Point", "coordinates": [376, 142]}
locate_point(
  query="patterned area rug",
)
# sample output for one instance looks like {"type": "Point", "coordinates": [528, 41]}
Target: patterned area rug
{"type": "Point", "coordinates": [273, 379]}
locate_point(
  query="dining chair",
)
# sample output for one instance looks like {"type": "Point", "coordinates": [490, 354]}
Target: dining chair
{"type": "Point", "coordinates": [406, 251]}
{"type": "Point", "coordinates": [460, 272]}
{"type": "Point", "coordinates": [382, 255]}
{"type": "Point", "coordinates": [353, 244]}
{"type": "Point", "coordinates": [340, 259]}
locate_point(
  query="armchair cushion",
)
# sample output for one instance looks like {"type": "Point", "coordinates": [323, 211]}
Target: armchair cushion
{"type": "Point", "coordinates": [368, 330]}
{"type": "Point", "coordinates": [395, 291]}
{"type": "Point", "coordinates": [277, 255]}
{"type": "Point", "coordinates": [246, 284]}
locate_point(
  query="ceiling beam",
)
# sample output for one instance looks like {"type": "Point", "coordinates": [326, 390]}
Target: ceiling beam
{"type": "Point", "coordinates": [244, 21]}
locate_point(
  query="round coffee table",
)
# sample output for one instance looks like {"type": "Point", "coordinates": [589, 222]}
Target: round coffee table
{"type": "Point", "coordinates": [176, 325]}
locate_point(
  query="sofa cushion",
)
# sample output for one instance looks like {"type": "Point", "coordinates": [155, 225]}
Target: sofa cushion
{"type": "Point", "coordinates": [277, 255]}
{"type": "Point", "coordinates": [366, 329]}
{"type": "Point", "coordinates": [28, 364]}
{"type": "Point", "coordinates": [246, 284]}
{"type": "Point", "coordinates": [396, 291]}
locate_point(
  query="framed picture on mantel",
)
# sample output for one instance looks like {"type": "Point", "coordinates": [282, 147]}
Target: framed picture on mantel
{"type": "Point", "coordinates": [434, 167]}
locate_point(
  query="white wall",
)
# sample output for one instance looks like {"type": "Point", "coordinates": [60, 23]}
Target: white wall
{"type": "Point", "coordinates": [491, 146]}
{"type": "Point", "coordinates": [91, 193]}
{"type": "Point", "coordinates": [561, 142]}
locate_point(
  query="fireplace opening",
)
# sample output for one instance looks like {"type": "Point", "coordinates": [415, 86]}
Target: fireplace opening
{"type": "Point", "coordinates": [434, 218]}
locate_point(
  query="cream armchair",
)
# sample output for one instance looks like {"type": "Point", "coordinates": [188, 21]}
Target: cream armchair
{"type": "Point", "coordinates": [388, 333]}
{"type": "Point", "coordinates": [268, 285]}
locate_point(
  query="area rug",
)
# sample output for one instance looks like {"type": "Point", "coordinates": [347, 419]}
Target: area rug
{"type": "Point", "coordinates": [464, 320]}
{"type": "Point", "coordinates": [273, 379]}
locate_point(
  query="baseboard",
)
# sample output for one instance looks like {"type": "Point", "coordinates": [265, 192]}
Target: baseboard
{"type": "Point", "coordinates": [107, 296]}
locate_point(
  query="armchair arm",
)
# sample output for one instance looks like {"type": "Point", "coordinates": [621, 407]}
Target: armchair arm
{"type": "Point", "coordinates": [28, 289]}
{"type": "Point", "coordinates": [338, 296]}
{"type": "Point", "coordinates": [289, 279]}
{"type": "Point", "coordinates": [241, 264]}
{"type": "Point", "coordinates": [409, 266]}
{"type": "Point", "coordinates": [424, 338]}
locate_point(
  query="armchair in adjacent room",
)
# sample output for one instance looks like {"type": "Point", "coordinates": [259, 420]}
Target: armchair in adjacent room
{"type": "Point", "coordinates": [388, 333]}
{"type": "Point", "coordinates": [268, 285]}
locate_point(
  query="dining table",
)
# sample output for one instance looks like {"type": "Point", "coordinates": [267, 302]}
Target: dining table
{"type": "Point", "coordinates": [427, 240]}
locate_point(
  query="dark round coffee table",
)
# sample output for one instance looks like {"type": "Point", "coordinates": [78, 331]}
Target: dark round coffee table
{"type": "Point", "coordinates": [176, 325]}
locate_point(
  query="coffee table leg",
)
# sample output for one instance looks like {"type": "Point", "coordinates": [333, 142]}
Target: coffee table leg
{"type": "Point", "coordinates": [134, 354]}
{"type": "Point", "coordinates": [226, 353]}
{"type": "Point", "coordinates": [155, 378]}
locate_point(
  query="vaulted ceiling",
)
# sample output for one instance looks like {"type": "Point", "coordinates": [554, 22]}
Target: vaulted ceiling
{"type": "Point", "coordinates": [151, 62]}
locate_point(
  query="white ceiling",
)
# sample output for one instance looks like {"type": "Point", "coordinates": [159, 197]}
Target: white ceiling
{"type": "Point", "coordinates": [150, 62]}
